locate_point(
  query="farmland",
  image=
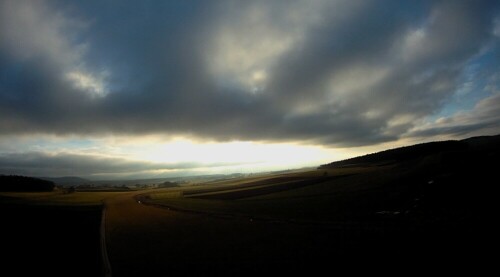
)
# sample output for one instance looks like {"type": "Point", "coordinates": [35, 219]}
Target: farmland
{"type": "Point", "coordinates": [400, 208]}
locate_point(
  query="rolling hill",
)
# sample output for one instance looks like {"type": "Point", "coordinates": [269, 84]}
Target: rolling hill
{"type": "Point", "coordinates": [426, 206]}
{"type": "Point", "coordinates": [463, 149]}
{"type": "Point", "coordinates": [16, 183]}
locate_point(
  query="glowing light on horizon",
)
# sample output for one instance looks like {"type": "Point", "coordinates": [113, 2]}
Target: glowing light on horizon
{"type": "Point", "coordinates": [239, 153]}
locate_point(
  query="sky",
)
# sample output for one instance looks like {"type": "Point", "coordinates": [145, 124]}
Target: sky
{"type": "Point", "coordinates": [126, 89]}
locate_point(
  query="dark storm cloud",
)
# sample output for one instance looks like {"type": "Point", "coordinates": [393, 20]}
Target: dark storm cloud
{"type": "Point", "coordinates": [341, 73]}
{"type": "Point", "coordinates": [69, 164]}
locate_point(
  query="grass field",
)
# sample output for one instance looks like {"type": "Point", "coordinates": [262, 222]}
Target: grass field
{"type": "Point", "coordinates": [59, 198]}
{"type": "Point", "coordinates": [426, 212]}
{"type": "Point", "coordinates": [306, 196]}
{"type": "Point", "coordinates": [374, 212]}
{"type": "Point", "coordinates": [360, 214]}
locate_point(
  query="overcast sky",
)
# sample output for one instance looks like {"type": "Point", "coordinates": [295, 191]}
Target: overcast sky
{"type": "Point", "coordinates": [109, 88]}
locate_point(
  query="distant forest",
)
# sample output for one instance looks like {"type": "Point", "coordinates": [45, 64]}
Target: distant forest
{"type": "Point", "coordinates": [24, 184]}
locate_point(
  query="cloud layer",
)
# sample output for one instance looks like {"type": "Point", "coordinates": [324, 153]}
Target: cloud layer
{"type": "Point", "coordinates": [71, 164]}
{"type": "Point", "coordinates": [341, 73]}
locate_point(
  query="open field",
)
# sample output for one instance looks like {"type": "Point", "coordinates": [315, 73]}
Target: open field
{"type": "Point", "coordinates": [429, 206]}
{"type": "Point", "coordinates": [79, 198]}
{"type": "Point", "coordinates": [410, 212]}
{"type": "Point", "coordinates": [145, 240]}
{"type": "Point", "coordinates": [308, 196]}
{"type": "Point", "coordinates": [367, 216]}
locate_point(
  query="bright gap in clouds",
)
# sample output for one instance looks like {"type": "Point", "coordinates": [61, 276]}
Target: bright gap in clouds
{"type": "Point", "coordinates": [93, 85]}
{"type": "Point", "coordinates": [234, 156]}
{"type": "Point", "coordinates": [125, 157]}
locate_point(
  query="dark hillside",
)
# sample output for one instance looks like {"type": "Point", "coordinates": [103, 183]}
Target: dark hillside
{"type": "Point", "coordinates": [468, 147]}
{"type": "Point", "coordinates": [440, 195]}
{"type": "Point", "coordinates": [24, 184]}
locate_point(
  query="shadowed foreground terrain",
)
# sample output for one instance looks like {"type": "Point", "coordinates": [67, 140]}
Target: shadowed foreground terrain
{"type": "Point", "coordinates": [50, 240]}
{"type": "Point", "coordinates": [425, 207]}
